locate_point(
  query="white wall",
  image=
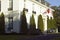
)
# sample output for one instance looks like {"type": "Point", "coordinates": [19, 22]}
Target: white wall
{"type": "Point", "coordinates": [15, 5]}
{"type": "Point", "coordinates": [28, 5]}
{"type": "Point", "coordinates": [39, 9]}
{"type": "Point", "coordinates": [4, 6]}
{"type": "Point", "coordinates": [21, 5]}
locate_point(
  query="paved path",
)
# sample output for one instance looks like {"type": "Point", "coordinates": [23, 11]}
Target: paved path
{"type": "Point", "coordinates": [43, 37]}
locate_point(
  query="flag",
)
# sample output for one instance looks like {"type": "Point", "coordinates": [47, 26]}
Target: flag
{"type": "Point", "coordinates": [48, 11]}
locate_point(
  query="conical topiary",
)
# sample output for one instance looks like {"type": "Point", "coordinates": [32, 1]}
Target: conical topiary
{"type": "Point", "coordinates": [32, 25]}
{"type": "Point", "coordinates": [48, 23]}
{"type": "Point", "coordinates": [2, 23]}
{"type": "Point", "coordinates": [32, 22]}
{"type": "Point", "coordinates": [23, 23]}
{"type": "Point", "coordinates": [51, 23]}
{"type": "Point", "coordinates": [40, 23]}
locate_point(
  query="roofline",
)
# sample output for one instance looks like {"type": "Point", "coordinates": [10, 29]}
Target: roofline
{"type": "Point", "coordinates": [42, 4]}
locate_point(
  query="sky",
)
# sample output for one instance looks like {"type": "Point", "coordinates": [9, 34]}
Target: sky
{"type": "Point", "coordinates": [54, 2]}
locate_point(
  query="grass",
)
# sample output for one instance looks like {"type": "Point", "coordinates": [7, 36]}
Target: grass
{"type": "Point", "coordinates": [14, 37]}
{"type": "Point", "coordinates": [9, 37]}
{"type": "Point", "coordinates": [57, 38]}
{"type": "Point", "coordinates": [20, 37]}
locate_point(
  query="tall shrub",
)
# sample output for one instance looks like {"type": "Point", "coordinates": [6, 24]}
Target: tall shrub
{"type": "Point", "coordinates": [23, 23]}
{"type": "Point", "coordinates": [32, 25]}
{"type": "Point", "coordinates": [48, 23]}
{"type": "Point", "coordinates": [51, 23]}
{"type": "Point", "coordinates": [40, 23]}
{"type": "Point", "coordinates": [2, 23]}
{"type": "Point", "coordinates": [32, 22]}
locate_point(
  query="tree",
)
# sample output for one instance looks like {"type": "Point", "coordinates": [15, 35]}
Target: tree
{"type": "Point", "coordinates": [23, 23]}
{"type": "Point", "coordinates": [56, 15]}
{"type": "Point", "coordinates": [2, 23]}
{"type": "Point", "coordinates": [40, 23]}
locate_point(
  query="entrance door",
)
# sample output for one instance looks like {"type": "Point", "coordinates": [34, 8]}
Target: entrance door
{"type": "Point", "coordinates": [10, 25]}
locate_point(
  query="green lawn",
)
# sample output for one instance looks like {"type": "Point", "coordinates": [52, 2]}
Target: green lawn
{"type": "Point", "coordinates": [19, 37]}
{"type": "Point", "coordinates": [9, 37]}
{"type": "Point", "coordinates": [14, 37]}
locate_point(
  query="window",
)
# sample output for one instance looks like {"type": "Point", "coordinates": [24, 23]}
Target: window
{"type": "Point", "coordinates": [43, 2]}
{"type": "Point", "coordinates": [10, 23]}
{"type": "Point", "coordinates": [25, 9]}
{"type": "Point", "coordinates": [47, 4]}
{"type": "Point", "coordinates": [10, 5]}
{"type": "Point", "coordinates": [34, 12]}
{"type": "Point", "coordinates": [38, 0]}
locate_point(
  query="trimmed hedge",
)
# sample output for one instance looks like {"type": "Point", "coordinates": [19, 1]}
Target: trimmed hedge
{"type": "Point", "coordinates": [32, 29]}
{"type": "Point", "coordinates": [32, 22]}
{"type": "Point", "coordinates": [48, 22]}
{"type": "Point", "coordinates": [23, 23]}
{"type": "Point", "coordinates": [40, 23]}
{"type": "Point", "coordinates": [51, 23]}
{"type": "Point", "coordinates": [2, 23]}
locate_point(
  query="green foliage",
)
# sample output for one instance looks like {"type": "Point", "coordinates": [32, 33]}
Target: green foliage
{"type": "Point", "coordinates": [2, 23]}
{"type": "Point", "coordinates": [32, 29]}
{"type": "Point", "coordinates": [56, 15]}
{"type": "Point", "coordinates": [40, 23]}
{"type": "Point", "coordinates": [32, 22]}
{"type": "Point", "coordinates": [51, 23]}
{"type": "Point", "coordinates": [23, 23]}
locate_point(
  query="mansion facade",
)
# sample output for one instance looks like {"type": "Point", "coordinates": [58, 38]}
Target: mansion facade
{"type": "Point", "coordinates": [12, 10]}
